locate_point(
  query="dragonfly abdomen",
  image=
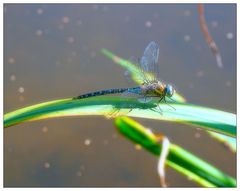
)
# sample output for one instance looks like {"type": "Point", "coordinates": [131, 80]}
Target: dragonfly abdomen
{"type": "Point", "coordinates": [102, 92]}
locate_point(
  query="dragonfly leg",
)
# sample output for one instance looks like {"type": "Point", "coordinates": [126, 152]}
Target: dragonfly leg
{"type": "Point", "coordinates": [158, 104]}
{"type": "Point", "coordinates": [163, 97]}
{"type": "Point", "coordinates": [116, 113]}
{"type": "Point", "coordinates": [112, 114]}
{"type": "Point", "coordinates": [145, 100]}
{"type": "Point", "coordinates": [169, 104]}
{"type": "Point", "coordinates": [74, 98]}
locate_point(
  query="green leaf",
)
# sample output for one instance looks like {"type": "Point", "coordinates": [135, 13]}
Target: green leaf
{"type": "Point", "coordinates": [134, 71]}
{"type": "Point", "coordinates": [202, 117]}
{"type": "Point", "coordinates": [178, 158]}
{"type": "Point", "coordinates": [230, 142]}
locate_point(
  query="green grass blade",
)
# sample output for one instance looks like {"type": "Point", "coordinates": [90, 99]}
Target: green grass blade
{"type": "Point", "coordinates": [230, 142]}
{"type": "Point", "coordinates": [133, 69]}
{"type": "Point", "coordinates": [178, 158]}
{"type": "Point", "coordinates": [202, 117]}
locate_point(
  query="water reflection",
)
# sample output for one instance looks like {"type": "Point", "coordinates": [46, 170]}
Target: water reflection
{"type": "Point", "coordinates": [53, 51]}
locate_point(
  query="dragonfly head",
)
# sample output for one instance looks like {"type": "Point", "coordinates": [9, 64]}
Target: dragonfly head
{"type": "Point", "coordinates": [169, 90]}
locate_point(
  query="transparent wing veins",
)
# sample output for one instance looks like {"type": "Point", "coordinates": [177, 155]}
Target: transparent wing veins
{"type": "Point", "coordinates": [146, 69]}
{"type": "Point", "coordinates": [149, 60]}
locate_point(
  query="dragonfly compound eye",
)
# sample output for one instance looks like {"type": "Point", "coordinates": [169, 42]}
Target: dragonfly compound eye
{"type": "Point", "coordinates": [169, 91]}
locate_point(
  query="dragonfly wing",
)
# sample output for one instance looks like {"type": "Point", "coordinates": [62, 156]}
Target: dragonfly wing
{"type": "Point", "coordinates": [145, 99]}
{"type": "Point", "coordinates": [137, 92]}
{"type": "Point", "coordinates": [149, 61]}
{"type": "Point", "coordinates": [137, 95]}
{"type": "Point", "coordinates": [135, 72]}
{"type": "Point", "coordinates": [144, 70]}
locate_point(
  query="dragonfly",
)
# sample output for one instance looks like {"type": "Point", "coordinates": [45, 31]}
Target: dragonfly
{"type": "Point", "coordinates": [150, 85]}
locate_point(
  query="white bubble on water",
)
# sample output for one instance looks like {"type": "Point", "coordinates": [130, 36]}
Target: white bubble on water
{"type": "Point", "coordinates": [228, 83]}
{"type": "Point", "coordinates": [148, 24]}
{"type": "Point", "coordinates": [70, 39]}
{"type": "Point", "coordinates": [39, 32]}
{"type": "Point", "coordinates": [40, 11]}
{"type": "Point", "coordinates": [138, 147]}
{"type": "Point", "coordinates": [11, 60]}
{"type": "Point", "coordinates": [46, 165]}
{"type": "Point", "coordinates": [229, 35]}
{"type": "Point", "coordinates": [12, 77]}
{"type": "Point", "coordinates": [197, 135]}
{"type": "Point", "coordinates": [21, 89]}
{"type": "Point", "coordinates": [44, 129]}
{"type": "Point", "coordinates": [65, 19]}
{"type": "Point", "coordinates": [187, 38]}
{"type": "Point", "coordinates": [79, 173]}
{"type": "Point", "coordinates": [87, 142]}
{"type": "Point", "coordinates": [214, 24]}
{"type": "Point", "coordinates": [187, 13]}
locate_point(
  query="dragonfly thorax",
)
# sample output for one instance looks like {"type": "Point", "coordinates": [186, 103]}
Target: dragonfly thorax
{"type": "Point", "coordinates": [159, 89]}
{"type": "Point", "coordinates": [154, 88]}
